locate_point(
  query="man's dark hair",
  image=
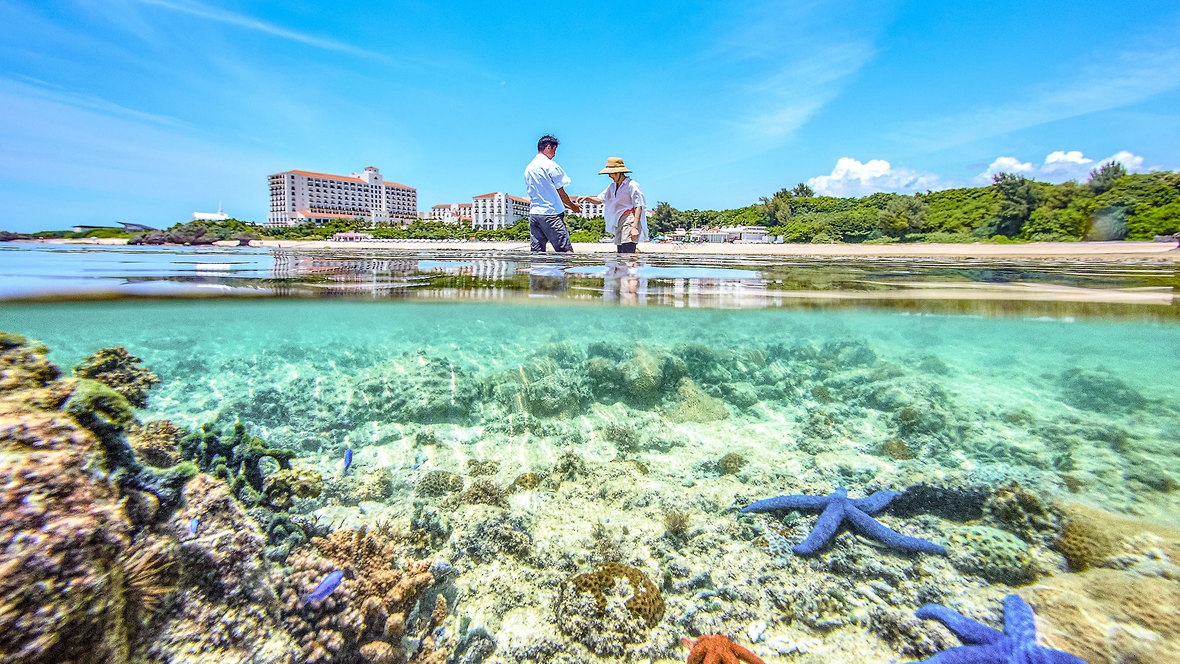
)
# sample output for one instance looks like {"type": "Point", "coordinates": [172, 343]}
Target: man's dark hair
{"type": "Point", "coordinates": [546, 141]}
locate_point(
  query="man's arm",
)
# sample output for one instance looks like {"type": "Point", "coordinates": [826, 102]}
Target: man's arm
{"type": "Point", "coordinates": [568, 203]}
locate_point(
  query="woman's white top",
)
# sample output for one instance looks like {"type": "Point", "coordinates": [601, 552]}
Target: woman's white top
{"type": "Point", "coordinates": [618, 199]}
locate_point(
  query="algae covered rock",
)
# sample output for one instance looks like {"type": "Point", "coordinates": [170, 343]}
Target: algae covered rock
{"type": "Point", "coordinates": [120, 371]}
{"type": "Point", "coordinates": [23, 364]}
{"type": "Point", "coordinates": [62, 596]}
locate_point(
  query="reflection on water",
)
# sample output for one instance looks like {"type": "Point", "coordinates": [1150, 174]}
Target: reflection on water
{"type": "Point", "coordinates": [958, 286]}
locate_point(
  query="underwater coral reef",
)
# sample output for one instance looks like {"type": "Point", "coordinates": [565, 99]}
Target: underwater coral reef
{"type": "Point", "coordinates": [579, 501]}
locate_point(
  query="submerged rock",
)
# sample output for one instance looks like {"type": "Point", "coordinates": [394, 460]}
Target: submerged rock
{"type": "Point", "coordinates": [1100, 391]}
{"type": "Point", "coordinates": [692, 405]}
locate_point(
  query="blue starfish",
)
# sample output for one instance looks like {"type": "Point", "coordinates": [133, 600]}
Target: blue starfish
{"type": "Point", "coordinates": [1017, 644]}
{"type": "Point", "coordinates": [837, 509]}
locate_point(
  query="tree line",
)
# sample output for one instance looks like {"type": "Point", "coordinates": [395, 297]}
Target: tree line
{"type": "Point", "coordinates": [1111, 205]}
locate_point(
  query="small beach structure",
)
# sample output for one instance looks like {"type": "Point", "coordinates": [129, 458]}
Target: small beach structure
{"type": "Point", "coordinates": [351, 237]}
{"type": "Point", "coordinates": [220, 215]}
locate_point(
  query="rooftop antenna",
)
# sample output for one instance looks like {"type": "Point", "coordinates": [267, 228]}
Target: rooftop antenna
{"type": "Point", "coordinates": [219, 208]}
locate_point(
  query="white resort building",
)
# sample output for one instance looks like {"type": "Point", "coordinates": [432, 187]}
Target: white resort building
{"type": "Point", "coordinates": [303, 197]}
{"type": "Point", "coordinates": [454, 213]}
{"type": "Point", "coordinates": [589, 209]}
{"type": "Point", "coordinates": [497, 210]}
{"type": "Point", "coordinates": [486, 212]}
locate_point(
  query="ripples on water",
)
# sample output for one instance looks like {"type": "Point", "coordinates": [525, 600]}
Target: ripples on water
{"type": "Point", "coordinates": [1051, 381]}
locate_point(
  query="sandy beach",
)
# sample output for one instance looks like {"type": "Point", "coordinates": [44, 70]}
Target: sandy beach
{"type": "Point", "coordinates": [1130, 251]}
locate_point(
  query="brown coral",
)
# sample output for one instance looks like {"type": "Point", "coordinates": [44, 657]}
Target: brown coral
{"type": "Point", "coordinates": [645, 601]}
{"type": "Point", "coordinates": [119, 370]}
{"type": "Point", "coordinates": [368, 612]}
{"type": "Point", "coordinates": [375, 484]}
{"type": "Point", "coordinates": [438, 483]}
{"type": "Point", "coordinates": [281, 488]}
{"type": "Point", "coordinates": [477, 468]}
{"type": "Point", "coordinates": [731, 463]}
{"type": "Point", "coordinates": [1094, 538]}
{"type": "Point", "coordinates": [1109, 616]}
{"type": "Point", "coordinates": [481, 492]}
{"type": "Point", "coordinates": [524, 482]}
{"type": "Point", "coordinates": [897, 449]}
{"type": "Point", "coordinates": [156, 443]}
{"type": "Point", "coordinates": [1022, 512]}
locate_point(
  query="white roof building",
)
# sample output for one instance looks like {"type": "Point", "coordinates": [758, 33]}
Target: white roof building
{"type": "Point", "coordinates": [497, 210]}
{"type": "Point", "coordinates": [303, 197]}
{"type": "Point", "coordinates": [589, 209]}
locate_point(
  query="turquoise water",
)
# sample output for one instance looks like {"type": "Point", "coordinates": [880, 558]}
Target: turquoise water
{"type": "Point", "coordinates": [1061, 398]}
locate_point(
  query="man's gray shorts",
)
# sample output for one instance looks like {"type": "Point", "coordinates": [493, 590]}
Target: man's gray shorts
{"type": "Point", "coordinates": [549, 228]}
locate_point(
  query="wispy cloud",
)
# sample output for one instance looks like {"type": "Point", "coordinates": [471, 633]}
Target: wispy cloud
{"type": "Point", "coordinates": [251, 23]}
{"type": "Point", "coordinates": [34, 87]}
{"type": "Point", "coordinates": [1118, 81]}
{"type": "Point", "coordinates": [785, 67]}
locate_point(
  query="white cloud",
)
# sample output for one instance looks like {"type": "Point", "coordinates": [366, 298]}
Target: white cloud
{"type": "Point", "coordinates": [1059, 166]}
{"type": "Point", "coordinates": [850, 177]}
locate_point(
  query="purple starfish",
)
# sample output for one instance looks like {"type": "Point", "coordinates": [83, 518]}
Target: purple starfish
{"type": "Point", "coordinates": [837, 509]}
{"type": "Point", "coordinates": [1017, 644]}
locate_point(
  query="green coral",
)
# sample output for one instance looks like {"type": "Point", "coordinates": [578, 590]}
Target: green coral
{"type": "Point", "coordinates": [994, 554]}
{"type": "Point", "coordinates": [283, 487]}
{"type": "Point", "coordinates": [235, 458]}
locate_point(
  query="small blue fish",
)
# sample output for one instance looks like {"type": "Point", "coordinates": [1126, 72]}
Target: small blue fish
{"type": "Point", "coordinates": [193, 524]}
{"type": "Point", "coordinates": [347, 460]}
{"type": "Point", "coordinates": [415, 466]}
{"type": "Point", "coordinates": [325, 588]}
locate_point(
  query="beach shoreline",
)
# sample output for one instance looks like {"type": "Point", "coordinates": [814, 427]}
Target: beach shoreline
{"type": "Point", "coordinates": [1110, 251]}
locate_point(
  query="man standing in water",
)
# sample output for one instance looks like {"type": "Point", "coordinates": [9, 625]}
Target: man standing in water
{"type": "Point", "coordinates": [545, 182]}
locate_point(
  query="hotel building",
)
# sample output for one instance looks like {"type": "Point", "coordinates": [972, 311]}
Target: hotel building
{"type": "Point", "coordinates": [497, 210]}
{"type": "Point", "coordinates": [455, 213]}
{"type": "Point", "coordinates": [303, 197]}
{"type": "Point", "coordinates": [486, 212]}
{"type": "Point", "coordinates": [589, 209]}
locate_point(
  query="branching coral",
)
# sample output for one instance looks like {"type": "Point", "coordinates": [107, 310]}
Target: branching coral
{"type": "Point", "coordinates": [367, 615]}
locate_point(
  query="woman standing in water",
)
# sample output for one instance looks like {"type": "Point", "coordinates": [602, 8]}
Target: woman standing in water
{"type": "Point", "coordinates": [626, 210]}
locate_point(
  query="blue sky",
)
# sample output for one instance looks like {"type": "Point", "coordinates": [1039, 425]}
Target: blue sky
{"type": "Point", "coordinates": [146, 110]}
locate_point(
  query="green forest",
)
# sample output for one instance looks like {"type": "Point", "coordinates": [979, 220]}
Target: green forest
{"type": "Point", "coordinates": [1111, 205]}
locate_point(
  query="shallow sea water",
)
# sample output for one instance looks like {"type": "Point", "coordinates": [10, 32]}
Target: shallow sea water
{"type": "Point", "coordinates": [727, 381]}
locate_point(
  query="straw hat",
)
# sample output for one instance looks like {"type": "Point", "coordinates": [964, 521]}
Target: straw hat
{"type": "Point", "coordinates": [614, 165]}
